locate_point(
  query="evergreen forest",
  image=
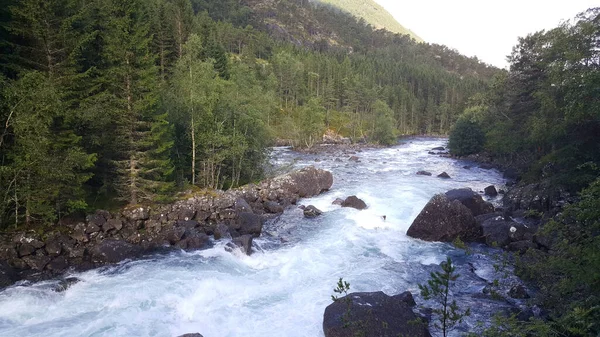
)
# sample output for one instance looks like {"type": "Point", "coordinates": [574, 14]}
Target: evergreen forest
{"type": "Point", "coordinates": [107, 103]}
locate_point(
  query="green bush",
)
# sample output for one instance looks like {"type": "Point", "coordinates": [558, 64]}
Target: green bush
{"type": "Point", "coordinates": [466, 138]}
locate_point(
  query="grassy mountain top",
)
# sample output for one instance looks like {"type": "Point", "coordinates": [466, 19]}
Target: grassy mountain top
{"type": "Point", "coordinates": [373, 13]}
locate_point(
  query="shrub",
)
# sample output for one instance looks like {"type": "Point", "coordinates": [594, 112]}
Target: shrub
{"type": "Point", "coordinates": [466, 138]}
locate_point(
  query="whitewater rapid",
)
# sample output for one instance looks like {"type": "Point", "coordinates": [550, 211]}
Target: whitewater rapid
{"type": "Point", "coordinates": [283, 288]}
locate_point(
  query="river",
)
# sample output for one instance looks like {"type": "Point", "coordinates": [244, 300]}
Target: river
{"type": "Point", "coordinates": [283, 288]}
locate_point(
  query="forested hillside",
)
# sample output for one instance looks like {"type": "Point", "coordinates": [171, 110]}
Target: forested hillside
{"type": "Point", "coordinates": [106, 102]}
{"type": "Point", "coordinates": [372, 13]}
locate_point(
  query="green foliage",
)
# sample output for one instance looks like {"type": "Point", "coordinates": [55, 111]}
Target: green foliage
{"type": "Point", "coordinates": [113, 102]}
{"type": "Point", "coordinates": [466, 138]}
{"type": "Point", "coordinates": [438, 289]}
{"type": "Point", "coordinates": [342, 288]}
{"type": "Point", "coordinates": [568, 277]}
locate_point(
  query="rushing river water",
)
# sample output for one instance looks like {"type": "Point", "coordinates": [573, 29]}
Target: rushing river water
{"type": "Point", "coordinates": [283, 288]}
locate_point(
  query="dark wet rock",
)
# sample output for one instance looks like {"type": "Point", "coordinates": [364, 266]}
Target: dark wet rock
{"type": "Point", "coordinates": [25, 249]}
{"type": "Point", "coordinates": [354, 158]}
{"type": "Point", "coordinates": [59, 263]}
{"type": "Point", "coordinates": [354, 202]}
{"type": "Point", "coordinates": [53, 247]}
{"type": "Point", "coordinates": [544, 197]}
{"type": "Point", "coordinates": [37, 262]}
{"type": "Point", "coordinates": [241, 205]}
{"type": "Point", "coordinates": [244, 242]}
{"type": "Point", "coordinates": [372, 315]}
{"type": "Point", "coordinates": [444, 175]}
{"type": "Point", "coordinates": [174, 235]}
{"type": "Point", "coordinates": [490, 191]}
{"type": "Point", "coordinates": [439, 148]}
{"type": "Point", "coordinates": [467, 167]}
{"type": "Point", "coordinates": [191, 335]}
{"type": "Point", "coordinates": [273, 207]}
{"type": "Point", "coordinates": [249, 223]}
{"type": "Point", "coordinates": [486, 166]}
{"type": "Point", "coordinates": [521, 246]}
{"type": "Point", "coordinates": [92, 228]}
{"type": "Point", "coordinates": [221, 231]}
{"type": "Point", "coordinates": [113, 251]}
{"type": "Point", "coordinates": [65, 284]}
{"type": "Point", "coordinates": [471, 200]}
{"type": "Point", "coordinates": [193, 240]}
{"type": "Point", "coordinates": [498, 232]}
{"type": "Point", "coordinates": [98, 219]}
{"type": "Point", "coordinates": [30, 239]}
{"type": "Point", "coordinates": [444, 220]}
{"type": "Point", "coordinates": [424, 173]}
{"type": "Point", "coordinates": [79, 234]}
{"type": "Point", "coordinates": [115, 224]}
{"type": "Point", "coordinates": [518, 292]}
{"type": "Point", "coordinates": [311, 211]}
{"type": "Point", "coordinates": [8, 275]}
{"type": "Point", "coordinates": [338, 201]}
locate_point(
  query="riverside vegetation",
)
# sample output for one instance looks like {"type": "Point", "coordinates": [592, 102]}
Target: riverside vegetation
{"type": "Point", "coordinates": [109, 103]}
{"type": "Point", "coordinates": [542, 118]}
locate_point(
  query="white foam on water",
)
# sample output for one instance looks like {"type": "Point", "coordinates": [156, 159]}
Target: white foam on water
{"type": "Point", "coordinates": [279, 291]}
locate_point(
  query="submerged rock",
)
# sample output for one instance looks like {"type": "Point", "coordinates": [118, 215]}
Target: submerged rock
{"type": "Point", "coordinates": [373, 315]}
{"type": "Point", "coordinates": [490, 191]}
{"type": "Point", "coordinates": [444, 175]}
{"type": "Point", "coordinates": [444, 220]}
{"type": "Point", "coordinates": [354, 202]}
{"type": "Point", "coordinates": [311, 211]}
{"type": "Point", "coordinates": [424, 173]}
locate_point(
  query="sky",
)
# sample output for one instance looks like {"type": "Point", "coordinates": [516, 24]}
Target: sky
{"type": "Point", "coordinates": [483, 28]}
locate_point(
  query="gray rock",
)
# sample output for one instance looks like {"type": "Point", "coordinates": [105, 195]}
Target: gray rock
{"type": "Point", "coordinates": [8, 275]}
{"type": "Point", "coordinates": [92, 228]}
{"type": "Point", "coordinates": [445, 220]}
{"type": "Point", "coordinates": [25, 249]}
{"type": "Point", "coordinates": [311, 211]}
{"type": "Point", "coordinates": [53, 248]}
{"type": "Point", "coordinates": [244, 242]}
{"type": "Point", "coordinates": [444, 175]}
{"type": "Point", "coordinates": [424, 173]}
{"type": "Point", "coordinates": [59, 263]}
{"type": "Point", "coordinates": [65, 284]}
{"type": "Point", "coordinates": [490, 191]}
{"type": "Point", "coordinates": [372, 315]}
{"type": "Point", "coordinates": [439, 148]}
{"type": "Point", "coordinates": [37, 262]}
{"type": "Point", "coordinates": [273, 207]}
{"type": "Point", "coordinates": [471, 200]}
{"type": "Point", "coordinates": [137, 213]}
{"type": "Point", "coordinates": [221, 231]}
{"type": "Point", "coordinates": [191, 335]}
{"type": "Point", "coordinates": [115, 224]}
{"type": "Point", "coordinates": [518, 292]}
{"type": "Point", "coordinates": [249, 223]}
{"type": "Point", "coordinates": [113, 251]}
{"type": "Point", "coordinates": [354, 202]}
{"type": "Point", "coordinates": [241, 205]}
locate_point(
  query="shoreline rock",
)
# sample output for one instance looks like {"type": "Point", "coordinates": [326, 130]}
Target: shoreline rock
{"type": "Point", "coordinates": [108, 238]}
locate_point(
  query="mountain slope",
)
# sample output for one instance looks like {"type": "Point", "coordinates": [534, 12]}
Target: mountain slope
{"type": "Point", "coordinates": [373, 13]}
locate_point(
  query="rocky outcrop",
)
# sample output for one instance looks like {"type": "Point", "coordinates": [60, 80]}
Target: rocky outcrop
{"type": "Point", "coordinates": [444, 220]}
{"type": "Point", "coordinates": [354, 202]}
{"type": "Point", "coordinates": [105, 237]}
{"type": "Point", "coordinates": [311, 211]}
{"type": "Point", "coordinates": [543, 197]}
{"type": "Point", "coordinates": [373, 315]}
{"type": "Point", "coordinates": [471, 200]}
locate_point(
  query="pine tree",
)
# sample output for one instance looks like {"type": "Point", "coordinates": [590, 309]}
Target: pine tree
{"type": "Point", "coordinates": [142, 161]}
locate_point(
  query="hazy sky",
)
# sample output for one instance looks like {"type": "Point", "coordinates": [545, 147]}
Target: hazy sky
{"type": "Point", "coordinates": [487, 29]}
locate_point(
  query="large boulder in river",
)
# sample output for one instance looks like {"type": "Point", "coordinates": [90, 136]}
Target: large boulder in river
{"type": "Point", "coordinates": [249, 223]}
{"type": "Point", "coordinates": [113, 251]}
{"type": "Point", "coordinates": [311, 211]}
{"type": "Point", "coordinates": [304, 183]}
{"type": "Point", "coordinates": [501, 233]}
{"type": "Point", "coordinates": [354, 202]}
{"type": "Point", "coordinates": [444, 220]}
{"type": "Point", "coordinates": [471, 200]}
{"type": "Point", "coordinates": [373, 315]}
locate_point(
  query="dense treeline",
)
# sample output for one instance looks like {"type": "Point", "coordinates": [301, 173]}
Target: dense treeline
{"type": "Point", "coordinates": [111, 102]}
{"type": "Point", "coordinates": [544, 116]}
